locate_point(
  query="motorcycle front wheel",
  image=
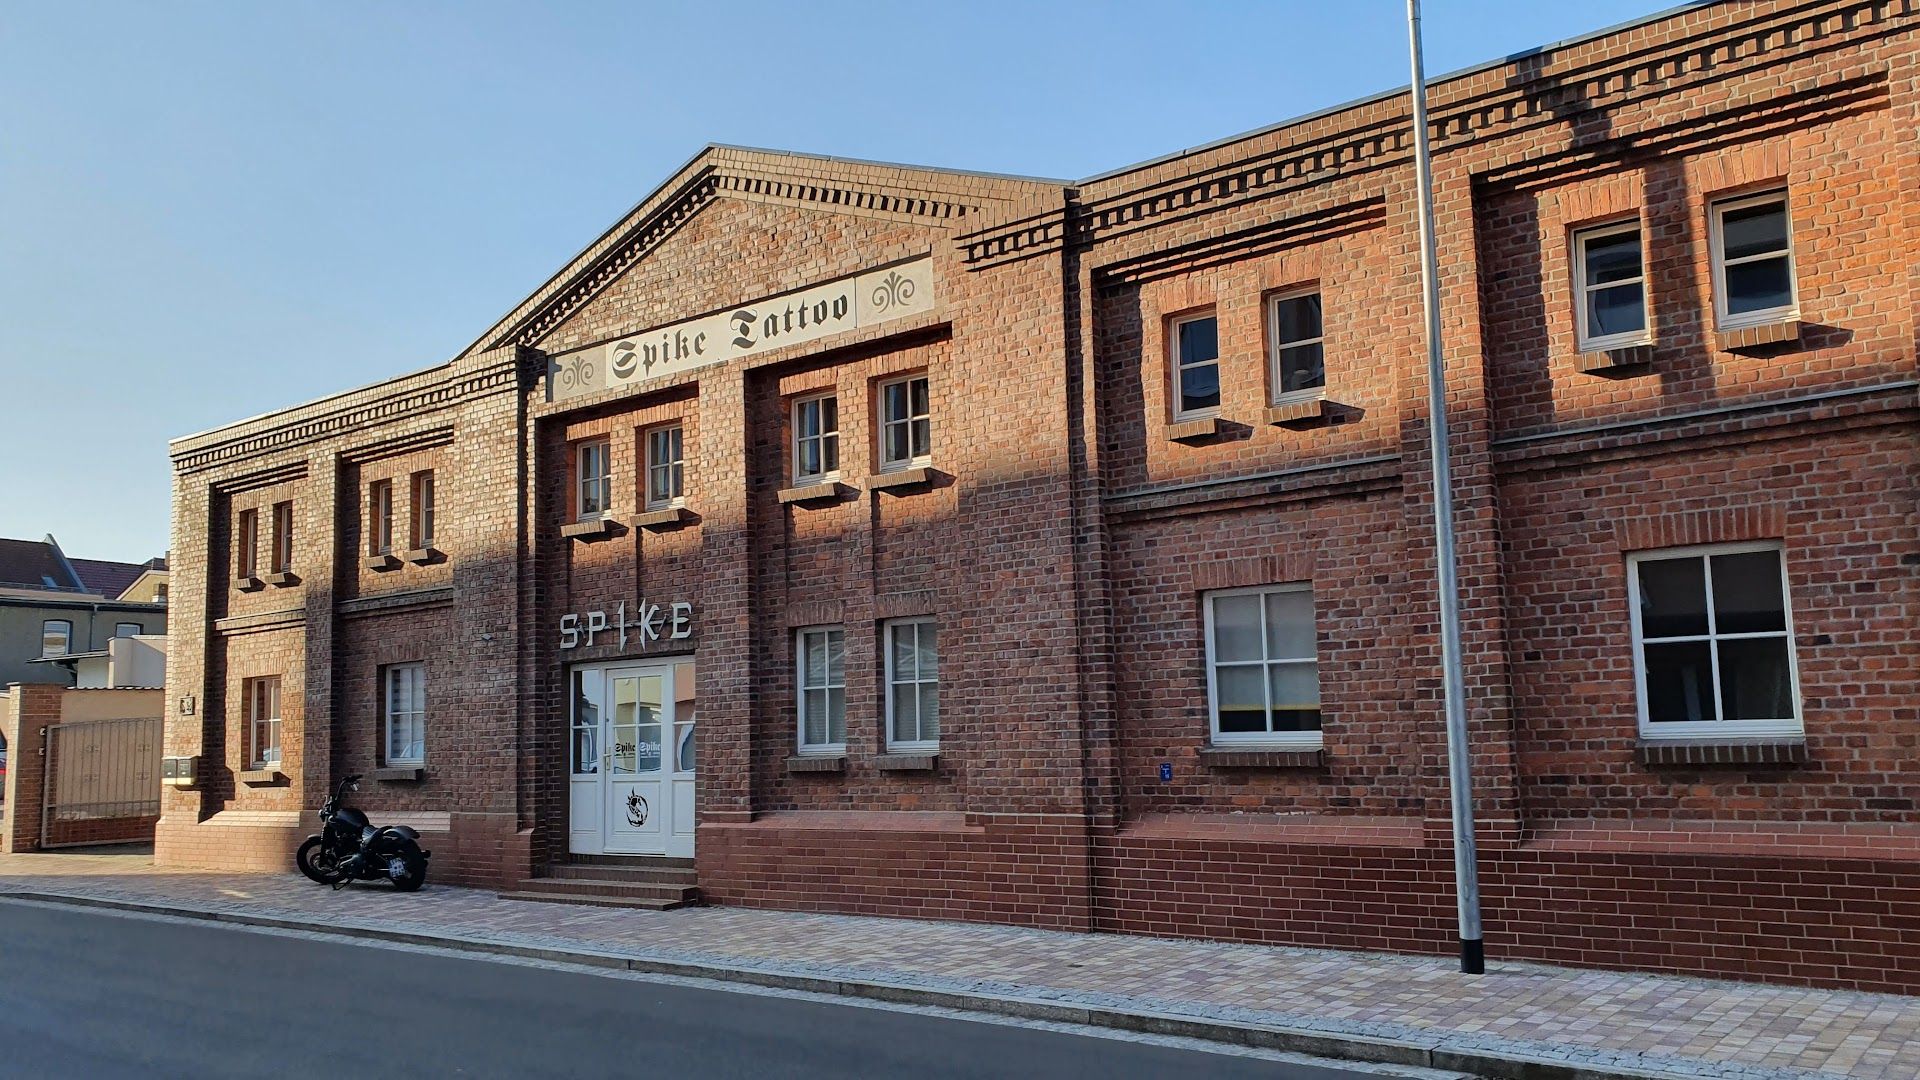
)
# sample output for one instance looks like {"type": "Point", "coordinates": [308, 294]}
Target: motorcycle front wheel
{"type": "Point", "coordinates": [316, 862]}
{"type": "Point", "coordinates": [414, 875]}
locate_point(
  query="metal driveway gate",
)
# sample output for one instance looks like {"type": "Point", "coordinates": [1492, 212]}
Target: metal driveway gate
{"type": "Point", "coordinates": [102, 782]}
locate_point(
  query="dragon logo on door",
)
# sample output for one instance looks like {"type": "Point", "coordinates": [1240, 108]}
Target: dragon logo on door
{"type": "Point", "coordinates": [636, 809]}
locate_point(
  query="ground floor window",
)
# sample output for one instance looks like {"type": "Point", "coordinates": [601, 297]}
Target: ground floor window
{"type": "Point", "coordinates": [1713, 642]}
{"type": "Point", "coordinates": [913, 685]}
{"type": "Point", "coordinates": [822, 681]}
{"type": "Point", "coordinates": [263, 721]}
{"type": "Point", "coordinates": [1263, 671]}
{"type": "Point", "coordinates": [406, 719]}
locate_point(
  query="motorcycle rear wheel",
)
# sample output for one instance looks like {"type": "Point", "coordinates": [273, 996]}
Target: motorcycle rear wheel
{"type": "Point", "coordinates": [416, 875]}
{"type": "Point", "coordinates": [315, 862]}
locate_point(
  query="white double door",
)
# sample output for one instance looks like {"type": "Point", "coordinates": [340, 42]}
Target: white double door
{"type": "Point", "coordinates": [632, 760]}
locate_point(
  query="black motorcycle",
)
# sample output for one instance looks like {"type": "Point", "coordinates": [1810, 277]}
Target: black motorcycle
{"type": "Point", "coordinates": [350, 849]}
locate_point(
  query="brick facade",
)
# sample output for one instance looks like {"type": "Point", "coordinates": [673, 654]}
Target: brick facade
{"type": "Point", "coordinates": [1070, 527]}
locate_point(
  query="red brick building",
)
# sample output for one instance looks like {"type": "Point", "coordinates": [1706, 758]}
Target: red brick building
{"type": "Point", "coordinates": [1060, 554]}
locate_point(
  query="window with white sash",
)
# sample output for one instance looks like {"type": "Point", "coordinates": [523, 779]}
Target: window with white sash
{"type": "Point", "coordinates": [406, 719]}
{"type": "Point", "coordinates": [1713, 642]}
{"type": "Point", "coordinates": [821, 681]}
{"type": "Point", "coordinates": [816, 438]}
{"type": "Point", "coordinates": [913, 685]}
{"type": "Point", "coordinates": [1263, 671]}
{"type": "Point", "coordinates": [1753, 278]}
{"type": "Point", "coordinates": [906, 424]}
{"type": "Point", "coordinates": [262, 705]}
{"type": "Point", "coordinates": [1610, 290]}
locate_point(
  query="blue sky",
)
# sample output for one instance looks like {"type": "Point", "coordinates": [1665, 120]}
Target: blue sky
{"type": "Point", "coordinates": [209, 211]}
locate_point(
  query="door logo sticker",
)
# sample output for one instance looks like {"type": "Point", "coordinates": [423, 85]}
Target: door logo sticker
{"type": "Point", "coordinates": [636, 809]}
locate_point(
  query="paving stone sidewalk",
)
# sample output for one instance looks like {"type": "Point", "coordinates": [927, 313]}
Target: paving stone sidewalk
{"type": "Point", "coordinates": [1607, 1021]}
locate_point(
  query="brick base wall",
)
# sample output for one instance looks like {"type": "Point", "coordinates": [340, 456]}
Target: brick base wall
{"type": "Point", "coordinates": [474, 851]}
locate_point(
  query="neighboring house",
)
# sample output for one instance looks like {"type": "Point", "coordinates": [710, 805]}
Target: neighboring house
{"type": "Point", "coordinates": [53, 606]}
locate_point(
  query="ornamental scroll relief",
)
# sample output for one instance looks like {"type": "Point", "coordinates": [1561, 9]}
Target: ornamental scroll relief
{"type": "Point", "coordinates": [876, 296]}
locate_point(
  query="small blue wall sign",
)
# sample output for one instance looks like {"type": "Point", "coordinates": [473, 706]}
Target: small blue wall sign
{"type": "Point", "coordinates": [1166, 771]}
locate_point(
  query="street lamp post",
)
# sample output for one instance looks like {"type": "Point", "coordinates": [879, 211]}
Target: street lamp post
{"type": "Point", "coordinates": [1466, 873]}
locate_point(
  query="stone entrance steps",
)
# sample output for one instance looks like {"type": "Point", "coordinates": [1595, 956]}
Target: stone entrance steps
{"type": "Point", "coordinates": [656, 884]}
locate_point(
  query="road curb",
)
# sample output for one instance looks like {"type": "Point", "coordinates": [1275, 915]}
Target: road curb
{"type": "Point", "coordinates": [1433, 1054]}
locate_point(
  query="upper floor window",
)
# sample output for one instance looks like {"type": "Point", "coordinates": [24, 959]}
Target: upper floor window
{"type": "Point", "coordinates": [262, 706]}
{"type": "Point", "coordinates": [1263, 671]}
{"type": "Point", "coordinates": [816, 437]}
{"type": "Point", "coordinates": [913, 685]}
{"type": "Point", "coordinates": [666, 466]}
{"type": "Point", "coordinates": [593, 472]}
{"type": "Point", "coordinates": [246, 544]}
{"type": "Point", "coordinates": [820, 655]}
{"type": "Point", "coordinates": [1196, 365]}
{"type": "Point", "coordinates": [1610, 293]}
{"type": "Point", "coordinates": [380, 517]}
{"type": "Point", "coordinates": [1713, 642]}
{"type": "Point", "coordinates": [159, 594]}
{"type": "Point", "coordinates": [406, 719]}
{"type": "Point", "coordinates": [282, 560]}
{"type": "Point", "coordinates": [1753, 280]}
{"type": "Point", "coordinates": [1299, 357]}
{"type": "Point", "coordinates": [127, 629]}
{"type": "Point", "coordinates": [906, 426]}
{"type": "Point", "coordinates": [56, 637]}
{"type": "Point", "coordinates": [422, 510]}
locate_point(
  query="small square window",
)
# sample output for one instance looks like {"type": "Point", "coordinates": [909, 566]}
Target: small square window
{"type": "Point", "coordinates": [1263, 671]}
{"type": "Point", "coordinates": [816, 438]}
{"type": "Point", "coordinates": [1753, 276]}
{"type": "Point", "coordinates": [821, 685]}
{"type": "Point", "coordinates": [1610, 295]}
{"type": "Point", "coordinates": [1196, 365]}
{"type": "Point", "coordinates": [1713, 642]}
{"type": "Point", "coordinates": [594, 479]}
{"type": "Point", "coordinates": [1298, 352]}
{"type": "Point", "coordinates": [906, 427]}
{"type": "Point", "coordinates": [666, 466]}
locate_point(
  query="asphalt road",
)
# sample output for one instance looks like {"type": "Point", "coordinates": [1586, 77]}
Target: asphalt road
{"type": "Point", "coordinates": [87, 994]}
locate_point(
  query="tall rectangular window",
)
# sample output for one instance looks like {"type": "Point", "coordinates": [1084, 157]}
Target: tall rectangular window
{"type": "Point", "coordinates": [1610, 294]}
{"type": "Point", "coordinates": [821, 678]}
{"type": "Point", "coordinates": [906, 424]}
{"type": "Point", "coordinates": [593, 474]}
{"type": "Point", "coordinates": [816, 438]}
{"type": "Point", "coordinates": [246, 544]}
{"type": "Point", "coordinates": [1713, 642]}
{"type": "Point", "coordinates": [282, 560]}
{"type": "Point", "coordinates": [1753, 279]}
{"type": "Point", "coordinates": [56, 637]}
{"type": "Point", "coordinates": [913, 685]}
{"type": "Point", "coordinates": [421, 506]}
{"type": "Point", "coordinates": [406, 709]}
{"type": "Point", "coordinates": [263, 721]}
{"type": "Point", "coordinates": [666, 466]}
{"type": "Point", "coordinates": [1196, 365]}
{"type": "Point", "coordinates": [1263, 671]}
{"type": "Point", "coordinates": [380, 517]}
{"type": "Point", "coordinates": [1299, 355]}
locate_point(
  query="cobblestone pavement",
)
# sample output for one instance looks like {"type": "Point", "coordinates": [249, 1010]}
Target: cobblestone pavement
{"type": "Point", "coordinates": [1661, 1024]}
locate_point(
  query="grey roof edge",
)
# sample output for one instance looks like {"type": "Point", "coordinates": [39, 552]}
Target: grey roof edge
{"type": "Point", "coordinates": [1393, 92]}
{"type": "Point", "coordinates": [175, 444]}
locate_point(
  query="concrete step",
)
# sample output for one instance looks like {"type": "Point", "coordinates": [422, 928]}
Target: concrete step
{"type": "Point", "coordinates": [652, 861]}
{"type": "Point", "coordinates": [639, 890]}
{"type": "Point", "coordinates": [665, 875]}
{"type": "Point", "coordinates": [589, 900]}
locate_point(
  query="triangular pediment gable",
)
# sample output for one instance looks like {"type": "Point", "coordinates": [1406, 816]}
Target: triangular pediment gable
{"type": "Point", "coordinates": [934, 197]}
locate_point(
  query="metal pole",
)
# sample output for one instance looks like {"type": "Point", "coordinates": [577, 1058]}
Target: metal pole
{"type": "Point", "coordinates": [1466, 873]}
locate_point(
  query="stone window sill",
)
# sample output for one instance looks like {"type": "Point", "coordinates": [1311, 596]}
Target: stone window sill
{"type": "Point", "coordinates": [900, 478]}
{"type": "Point", "coordinates": [1263, 757]}
{"type": "Point", "coordinates": [1300, 415]}
{"type": "Point", "coordinates": [281, 579]}
{"type": "Point", "coordinates": [1740, 339]}
{"type": "Point", "coordinates": [590, 529]}
{"type": "Point", "coordinates": [920, 762]}
{"type": "Point", "coordinates": [400, 772]}
{"type": "Point", "coordinates": [1204, 429]}
{"type": "Point", "coordinates": [381, 563]}
{"type": "Point", "coordinates": [664, 518]}
{"type": "Point", "coordinates": [260, 777]}
{"type": "Point", "coordinates": [248, 583]}
{"type": "Point", "coordinates": [1712, 752]}
{"type": "Point", "coordinates": [424, 555]}
{"type": "Point", "coordinates": [817, 763]}
{"type": "Point", "coordinates": [823, 491]}
{"type": "Point", "coordinates": [1619, 362]}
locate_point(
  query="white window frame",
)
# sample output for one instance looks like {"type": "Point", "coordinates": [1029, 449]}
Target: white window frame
{"type": "Point", "coordinates": [415, 715]}
{"type": "Point", "coordinates": [262, 696]}
{"type": "Point", "coordinates": [603, 480]}
{"type": "Point", "coordinates": [1291, 740]}
{"type": "Point", "coordinates": [1582, 290]}
{"type": "Point", "coordinates": [891, 627]}
{"type": "Point", "coordinates": [1275, 345]}
{"type": "Point", "coordinates": [380, 517]}
{"type": "Point", "coordinates": [1716, 253]}
{"type": "Point", "coordinates": [801, 686]}
{"type": "Point", "coordinates": [823, 438]}
{"type": "Point", "coordinates": [888, 423]}
{"type": "Point", "coordinates": [246, 543]}
{"type": "Point", "coordinates": [1179, 370]}
{"type": "Point", "coordinates": [674, 468]}
{"type": "Point", "coordinates": [420, 509]}
{"type": "Point", "coordinates": [280, 559]}
{"type": "Point", "coordinates": [67, 648]}
{"type": "Point", "coordinates": [1718, 729]}
{"type": "Point", "coordinates": [137, 629]}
